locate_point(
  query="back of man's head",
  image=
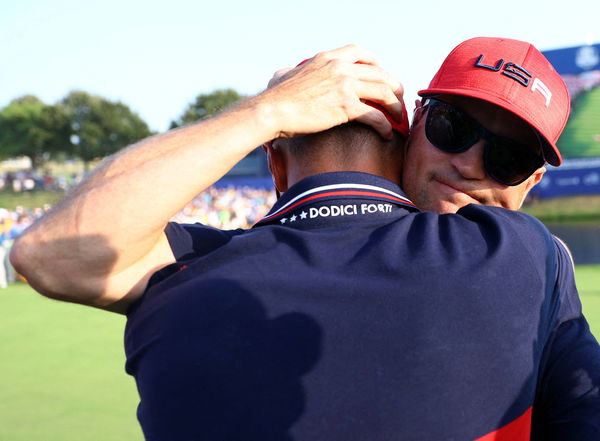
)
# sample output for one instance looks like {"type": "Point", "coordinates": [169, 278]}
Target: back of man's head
{"type": "Point", "coordinates": [345, 147]}
{"type": "Point", "coordinates": [352, 146]}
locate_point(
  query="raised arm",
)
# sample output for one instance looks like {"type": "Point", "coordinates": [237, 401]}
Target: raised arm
{"type": "Point", "coordinates": [103, 242]}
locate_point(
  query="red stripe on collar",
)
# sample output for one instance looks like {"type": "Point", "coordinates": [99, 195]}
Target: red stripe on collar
{"type": "Point", "coordinates": [337, 193]}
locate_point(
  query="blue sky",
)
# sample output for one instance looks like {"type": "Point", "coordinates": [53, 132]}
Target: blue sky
{"type": "Point", "coordinates": [156, 56]}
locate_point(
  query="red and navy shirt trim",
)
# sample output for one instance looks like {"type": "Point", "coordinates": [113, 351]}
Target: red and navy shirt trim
{"type": "Point", "coordinates": [346, 188]}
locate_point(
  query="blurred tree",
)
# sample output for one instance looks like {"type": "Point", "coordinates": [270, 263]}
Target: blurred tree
{"type": "Point", "coordinates": [29, 127]}
{"type": "Point", "coordinates": [100, 127]}
{"type": "Point", "coordinates": [207, 105]}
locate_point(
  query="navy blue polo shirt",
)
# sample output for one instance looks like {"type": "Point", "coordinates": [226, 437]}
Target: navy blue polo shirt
{"type": "Point", "coordinates": [345, 314]}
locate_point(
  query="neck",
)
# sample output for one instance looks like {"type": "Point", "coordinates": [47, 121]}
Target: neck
{"type": "Point", "coordinates": [390, 169]}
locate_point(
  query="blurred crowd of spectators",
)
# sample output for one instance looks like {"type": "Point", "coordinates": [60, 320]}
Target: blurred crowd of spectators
{"type": "Point", "coordinates": [582, 82]}
{"type": "Point", "coordinates": [12, 224]}
{"type": "Point", "coordinates": [28, 180]}
{"type": "Point", "coordinates": [225, 208]}
{"type": "Point", "coordinates": [228, 208]}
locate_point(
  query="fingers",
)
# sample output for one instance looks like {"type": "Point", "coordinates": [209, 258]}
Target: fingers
{"type": "Point", "coordinates": [379, 75]}
{"type": "Point", "coordinates": [350, 53]}
{"type": "Point", "coordinates": [376, 120]}
{"type": "Point", "coordinates": [332, 88]}
{"type": "Point", "coordinates": [381, 93]}
{"type": "Point", "coordinates": [371, 82]}
{"type": "Point", "coordinates": [350, 58]}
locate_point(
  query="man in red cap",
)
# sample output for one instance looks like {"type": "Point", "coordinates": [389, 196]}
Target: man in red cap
{"type": "Point", "coordinates": [486, 126]}
{"type": "Point", "coordinates": [488, 123]}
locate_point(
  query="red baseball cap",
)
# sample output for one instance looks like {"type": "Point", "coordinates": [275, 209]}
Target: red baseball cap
{"type": "Point", "coordinates": [511, 74]}
{"type": "Point", "coordinates": [399, 126]}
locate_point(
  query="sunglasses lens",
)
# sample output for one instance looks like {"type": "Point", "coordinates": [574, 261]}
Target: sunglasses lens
{"type": "Point", "coordinates": [452, 131]}
{"type": "Point", "coordinates": [448, 130]}
{"type": "Point", "coordinates": [508, 162]}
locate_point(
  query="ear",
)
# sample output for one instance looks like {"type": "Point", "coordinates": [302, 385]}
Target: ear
{"type": "Point", "coordinates": [277, 164]}
{"type": "Point", "coordinates": [536, 177]}
{"type": "Point", "coordinates": [532, 181]}
{"type": "Point", "coordinates": [417, 112]}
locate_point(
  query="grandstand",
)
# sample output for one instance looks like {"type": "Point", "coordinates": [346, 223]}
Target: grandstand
{"type": "Point", "coordinates": [581, 137]}
{"type": "Point", "coordinates": [580, 143]}
{"type": "Point", "coordinates": [252, 171]}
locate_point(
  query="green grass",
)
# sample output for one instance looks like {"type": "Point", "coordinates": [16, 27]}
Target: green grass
{"type": "Point", "coordinates": [34, 199]}
{"type": "Point", "coordinates": [574, 209]}
{"type": "Point", "coordinates": [581, 137]}
{"type": "Point", "coordinates": [588, 284]}
{"type": "Point", "coordinates": [62, 372]}
{"type": "Point", "coordinates": [62, 367]}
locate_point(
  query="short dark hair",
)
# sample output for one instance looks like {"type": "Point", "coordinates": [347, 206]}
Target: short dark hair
{"type": "Point", "coordinates": [346, 143]}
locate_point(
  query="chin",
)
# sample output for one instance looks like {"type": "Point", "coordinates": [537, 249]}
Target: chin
{"type": "Point", "coordinates": [441, 207]}
{"type": "Point", "coordinates": [448, 208]}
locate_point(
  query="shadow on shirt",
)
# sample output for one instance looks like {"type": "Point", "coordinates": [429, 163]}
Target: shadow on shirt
{"type": "Point", "coordinates": [214, 366]}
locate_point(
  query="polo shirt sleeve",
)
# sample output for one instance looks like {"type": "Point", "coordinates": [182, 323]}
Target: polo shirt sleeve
{"type": "Point", "coordinates": [189, 241]}
{"type": "Point", "coordinates": [567, 403]}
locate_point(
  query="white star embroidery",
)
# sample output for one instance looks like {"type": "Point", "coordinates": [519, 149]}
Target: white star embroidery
{"type": "Point", "coordinates": [293, 218]}
{"type": "Point", "coordinates": [303, 215]}
{"type": "Point", "coordinates": [283, 220]}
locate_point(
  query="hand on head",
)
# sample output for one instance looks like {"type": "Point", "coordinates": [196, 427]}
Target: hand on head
{"type": "Point", "coordinates": [331, 89]}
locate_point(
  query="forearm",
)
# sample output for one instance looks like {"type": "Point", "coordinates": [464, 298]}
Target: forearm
{"type": "Point", "coordinates": [117, 216]}
{"type": "Point", "coordinates": [131, 196]}
{"type": "Point", "coordinates": [103, 242]}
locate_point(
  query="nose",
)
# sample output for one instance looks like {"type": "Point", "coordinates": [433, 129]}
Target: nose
{"type": "Point", "coordinates": [470, 162]}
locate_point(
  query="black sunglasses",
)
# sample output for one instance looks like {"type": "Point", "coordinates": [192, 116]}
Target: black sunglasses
{"type": "Point", "coordinates": [453, 131]}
